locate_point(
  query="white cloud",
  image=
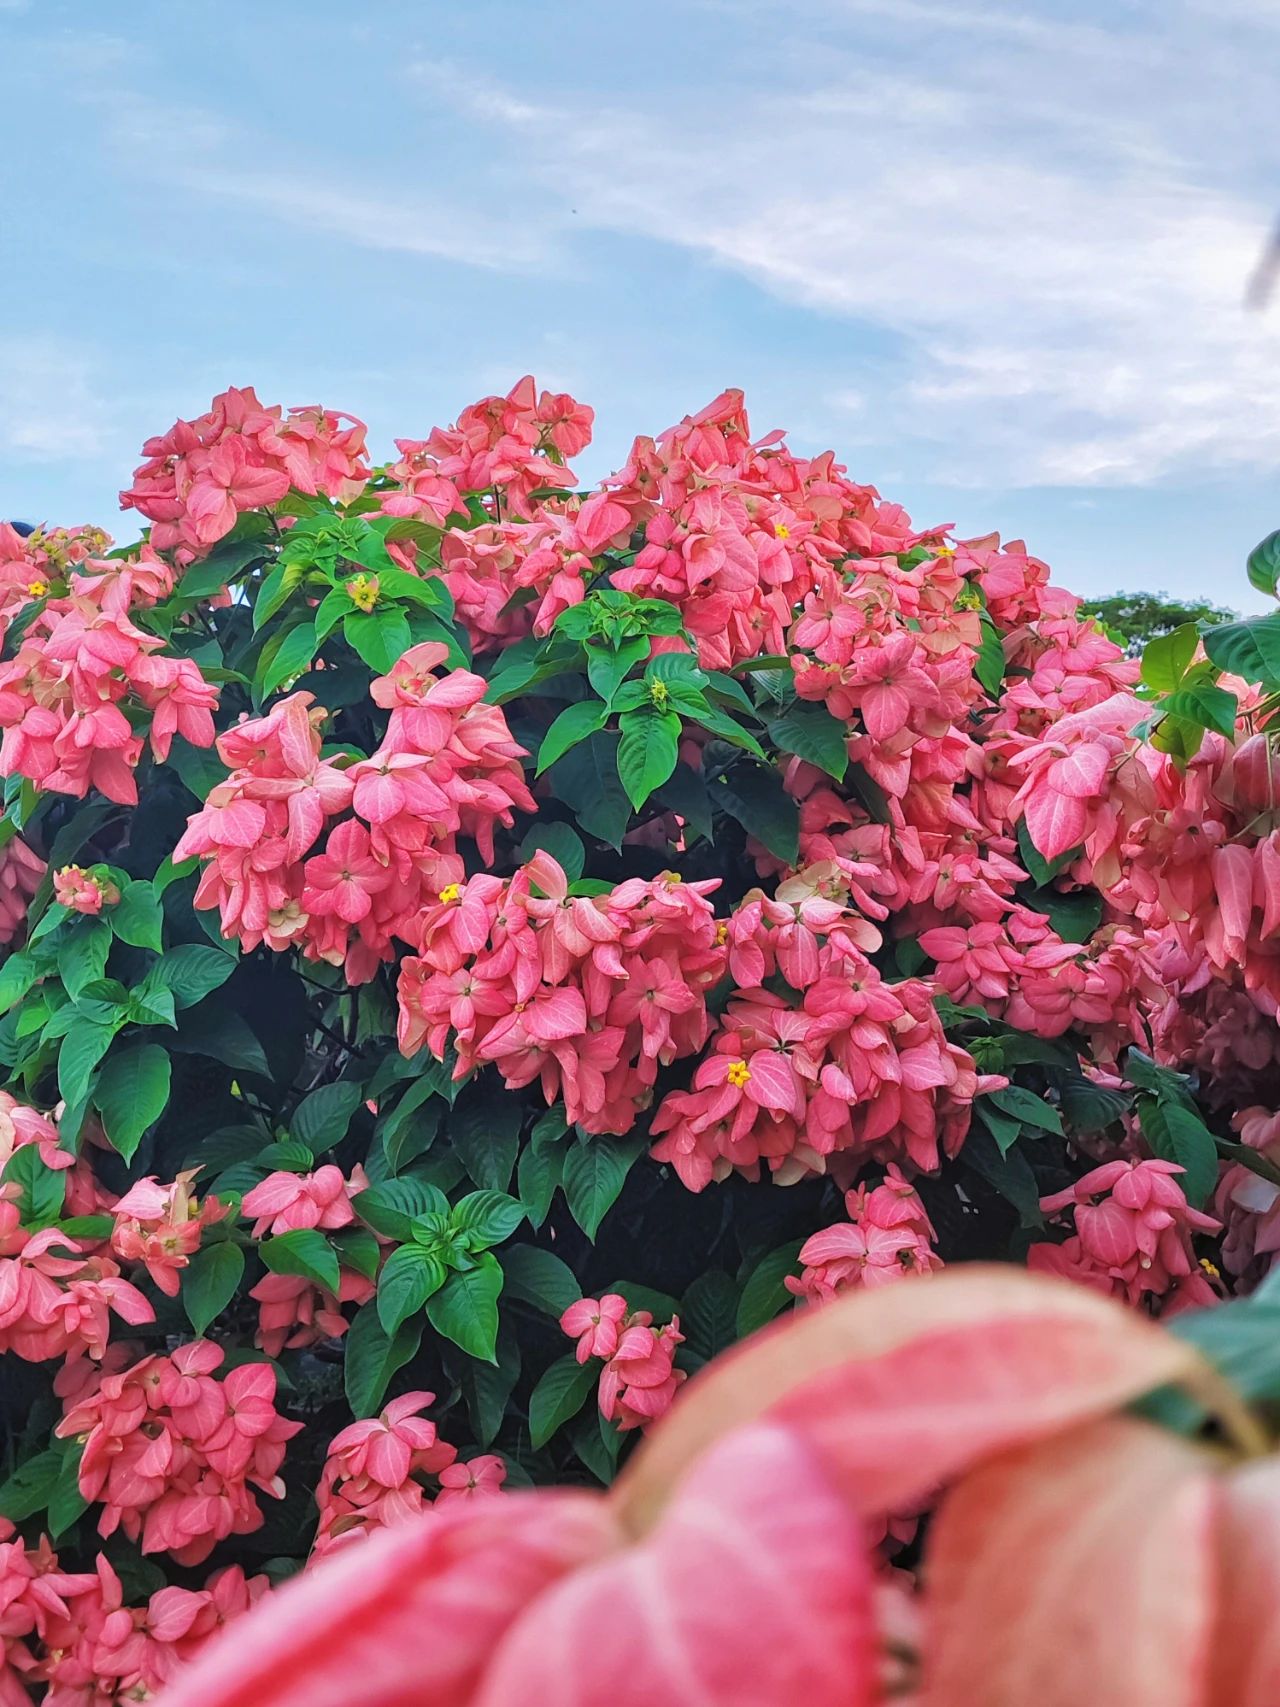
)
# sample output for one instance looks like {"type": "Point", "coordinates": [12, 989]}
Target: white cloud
{"type": "Point", "coordinates": [1056, 231]}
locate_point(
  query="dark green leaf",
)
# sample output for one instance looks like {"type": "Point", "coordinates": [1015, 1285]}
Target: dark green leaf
{"type": "Point", "coordinates": [79, 1055]}
{"type": "Point", "coordinates": [1089, 1108]}
{"type": "Point", "coordinates": [755, 796]}
{"type": "Point", "coordinates": [321, 1119]}
{"type": "Point", "coordinates": [560, 1394]}
{"type": "Point", "coordinates": [587, 781]}
{"type": "Point", "coordinates": [1010, 1174]}
{"type": "Point", "coordinates": [595, 1171]}
{"type": "Point", "coordinates": [489, 1216]}
{"type": "Point", "coordinates": [191, 971]}
{"type": "Point", "coordinates": [82, 958]}
{"type": "Point", "coordinates": [540, 1278]}
{"type": "Point", "coordinates": [465, 1310]}
{"type": "Point", "coordinates": [484, 1129]}
{"type": "Point", "coordinates": [1249, 649]}
{"type": "Point", "coordinates": [709, 1313]}
{"type": "Point", "coordinates": [66, 1502]}
{"type": "Point", "coordinates": [562, 843]}
{"type": "Point", "coordinates": [372, 1357]}
{"type": "Point", "coordinates": [392, 1207]}
{"type": "Point", "coordinates": [281, 663]}
{"type": "Point", "coordinates": [1026, 1108]}
{"type": "Point", "coordinates": [303, 1251]}
{"type": "Point", "coordinates": [1175, 1134]}
{"type": "Point", "coordinates": [764, 1295]}
{"type": "Point", "coordinates": [30, 1487]}
{"type": "Point", "coordinates": [17, 975]}
{"type": "Point", "coordinates": [209, 1283]}
{"type": "Point", "coordinates": [685, 793]}
{"type": "Point", "coordinates": [1264, 564]}
{"type": "Point", "coordinates": [409, 1277]}
{"type": "Point", "coordinates": [132, 1091]}
{"type": "Point", "coordinates": [574, 724]}
{"type": "Point", "coordinates": [1210, 707]}
{"type": "Point", "coordinates": [138, 917]}
{"type": "Point", "coordinates": [814, 735]}
{"type": "Point", "coordinates": [647, 752]}
{"type": "Point", "coordinates": [989, 667]}
{"type": "Point", "coordinates": [42, 1188]}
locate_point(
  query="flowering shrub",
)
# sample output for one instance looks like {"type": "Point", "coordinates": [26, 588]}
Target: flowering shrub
{"type": "Point", "coordinates": [476, 947]}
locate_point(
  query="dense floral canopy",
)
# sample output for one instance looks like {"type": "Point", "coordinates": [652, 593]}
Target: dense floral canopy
{"type": "Point", "coordinates": [479, 946]}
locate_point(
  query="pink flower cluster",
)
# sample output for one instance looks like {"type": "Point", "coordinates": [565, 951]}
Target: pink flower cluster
{"type": "Point", "coordinates": [1133, 1236]}
{"type": "Point", "coordinates": [173, 1454]}
{"type": "Point", "coordinates": [446, 767]}
{"type": "Point", "coordinates": [34, 566]}
{"type": "Point", "coordinates": [82, 891]}
{"type": "Point", "coordinates": [373, 1472]}
{"type": "Point", "coordinates": [202, 474]}
{"type": "Point", "coordinates": [56, 1300]}
{"type": "Point", "coordinates": [70, 1634]}
{"type": "Point", "coordinates": [589, 994]}
{"type": "Point", "coordinates": [511, 448]}
{"type": "Point", "coordinates": [639, 1379]}
{"type": "Point", "coordinates": [853, 1069]}
{"type": "Point", "coordinates": [81, 669]}
{"type": "Point", "coordinates": [160, 1226]}
{"type": "Point", "coordinates": [888, 1235]}
{"type": "Point", "coordinates": [21, 871]}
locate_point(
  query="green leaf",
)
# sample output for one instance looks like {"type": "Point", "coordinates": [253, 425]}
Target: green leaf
{"type": "Point", "coordinates": [79, 1055]}
{"type": "Point", "coordinates": [1167, 658]}
{"type": "Point", "coordinates": [42, 1188]}
{"type": "Point", "coordinates": [487, 1388]}
{"type": "Point", "coordinates": [719, 723]}
{"type": "Point", "coordinates": [372, 1357]}
{"type": "Point", "coordinates": [82, 958]}
{"type": "Point", "coordinates": [465, 1310]}
{"type": "Point", "coordinates": [280, 664]}
{"type": "Point", "coordinates": [17, 975]}
{"type": "Point", "coordinates": [1090, 1108]}
{"type": "Point", "coordinates": [357, 1250]}
{"type": "Point", "coordinates": [1175, 1134]}
{"type": "Point", "coordinates": [574, 724]}
{"type": "Point", "coordinates": [755, 796]}
{"type": "Point", "coordinates": [274, 592]}
{"type": "Point", "coordinates": [989, 667]}
{"type": "Point", "coordinates": [539, 1173]}
{"type": "Point", "coordinates": [223, 1035]}
{"type": "Point", "coordinates": [138, 917]}
{"type": "Point", "coordinates": [709, 1313]}
{"type": "Point", "coordinates": [562, 843]}
{"type": "Point", "coordinates": [1040, 870]}
{"type": "Point", "coordinates": [410, 1129]}
{"type": "Point", "coordinates": [1025, 1107]}
{"type": "Point", "coordinates": [648, 751]}
{"type": "Point", "coordinates": [595, 1171]}
{"type": "Point", "coordinates": [1163, 1082]}
{"type": "Point", "coordinates": [489, 1216]}
{"type": "Point", "coordinates": [209, 1282]}
{"type": "Point", "coordinates": [1250, 649]}
{"type": "Point", "coordinates": [409, 1277]}
{"type": "Point", "coordinates": [303, 1251]}
{"type": "Point", "coordinates": [1264, 563]}
{"type": "Point", "coordinates": [30, 1487]}
{"type": "Point", "coordinates": [814, 735]}
{"type": "Point", "coordinates": [321, 1119]}
{"type": "Point", "coordinates": [1074, 915]}
{"type": "Point", "coordinates": [1210, 707]}
{"type": "Point", "coordinates": [484, 1130]}
{"type": "Point", "coordinates": [560, 1394]}
{"type": "Point", "coordinates": [607, 665]}
{"type": "Point", "coordinates": [685, 794]}
{"type": "Point", "coordinates": [392, 1207]}
{"type": "Point", "coordinates": [66, 1502]}
{"type": "Point", "coordinates": [379, 637]}
{"type": "Point", "coordinates": [191, 971]}
{"type": "Point", "coordinates": [764, 1295]}
{"type": "Point", "coordinates": [131, 1093]}
{"type": "Point", "coordinates": [540, 1278]}
{"type": "Point", "coordinates": [200, 768]}
{"type": "Point", "coordinates": [587, 781]}
{"type": "Point", "coordinates": [1009, 1174]}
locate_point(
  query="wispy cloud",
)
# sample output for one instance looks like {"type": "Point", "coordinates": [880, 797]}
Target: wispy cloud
{"type": "Point", "coordinates": [51, 408]}
{"type": "Point", "coordinates": [1066, 283]}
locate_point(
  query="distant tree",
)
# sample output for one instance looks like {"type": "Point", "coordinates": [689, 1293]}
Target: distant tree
{"type": "Point", "coordinates": [1135, 618]}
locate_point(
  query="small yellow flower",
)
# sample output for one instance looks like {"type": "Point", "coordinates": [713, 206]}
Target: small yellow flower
{"type": "Point", "coordinates": [739, 1073]}
{"type": "Point", "coordinates": [658, 692]}
{"type": "Point", "coordinates": [1210, 1270]}
{"type": "Point", "coordinates": [946, 551]}
{"type": "Point", "coordinates": [781, 530]}
{"type": "Point", "coordinates": [451, 892]}
{"type": "Point", "coordinates": [362, 590]}
{"type": "Point", "coordinates": [722, 935]}
{"type": "Point", "coordinates": [37, 589]}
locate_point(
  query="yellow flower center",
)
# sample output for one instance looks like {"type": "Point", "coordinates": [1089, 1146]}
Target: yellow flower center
{"type": "Point", "coordinates": [946, 551]}
{"type": "Point", "coordinates": [37, 589]}
{"type": "Point", "coordinates": [451, 892]}
{"type": "Point", "coordinates": [658, 693]}
{"type": "Point", "coordinates": [1210, 1270]}
{"type": "Point", "coordinates": [722, 935]}
{"type": "Point", "coordinates": [362, 590]}
{"type": "Point", "coordinates": [739, 1073]}
{"type": "Point", "coordinates": [781, 530]}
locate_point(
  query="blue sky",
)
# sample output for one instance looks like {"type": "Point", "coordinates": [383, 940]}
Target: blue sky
{"type": "Point", "coordinates": [993, 254]}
